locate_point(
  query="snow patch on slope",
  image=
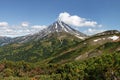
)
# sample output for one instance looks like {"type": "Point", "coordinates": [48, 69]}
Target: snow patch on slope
{"type": "Point", "coordinates": [80, 37]}
{"type": "Point", "coordinates": [56, 27]}
{"type": "Point", "coordinates": [114, 38]}
{"type": "Point", "coordinates": [62, 26]}
{"type": "Point", "coordinates": [96, 40]}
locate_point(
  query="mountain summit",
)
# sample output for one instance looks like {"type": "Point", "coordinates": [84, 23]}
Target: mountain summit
{"type": "Point", "coordinates": [60, 26]}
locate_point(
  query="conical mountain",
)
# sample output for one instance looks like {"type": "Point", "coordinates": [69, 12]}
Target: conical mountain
{"type": "Point", "coordinates": [60, 26]}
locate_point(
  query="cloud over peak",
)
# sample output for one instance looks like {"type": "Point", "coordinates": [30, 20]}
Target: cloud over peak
{"type": "Point", "coordinates": [77, 21]}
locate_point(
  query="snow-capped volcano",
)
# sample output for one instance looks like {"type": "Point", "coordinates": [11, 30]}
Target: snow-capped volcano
{"type": "Point", "coordinates": [60, 26]}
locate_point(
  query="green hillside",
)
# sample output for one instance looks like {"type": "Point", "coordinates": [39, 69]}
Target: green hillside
{"type": "Point", "coordinates": [62, 57]}
{"type": "Point", "coordinates": [88, 48]}
{"type": "Point", "coordinates": [35, 51]}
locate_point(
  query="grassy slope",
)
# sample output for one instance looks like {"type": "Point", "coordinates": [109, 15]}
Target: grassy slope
{"type": "Point", "coordinates": [34, 51]}
{"type": "Point", "coordinates": [90, 67]}
{"type": "Point", "coordinates": [87, 48]}
{"type": "Point", "coordinates": [56, 48]}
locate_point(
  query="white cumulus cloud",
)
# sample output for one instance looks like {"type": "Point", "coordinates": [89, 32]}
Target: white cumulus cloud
{"type": "Point", "coordinates": [25, 24]}
{"type": "Point", "coordinates": [77, 21]}
{"type": "Point", "coordinates": [3, 24]}
{"type": "Point", "coordinates": [36, 28]}
{"type": "Point", "coordinates": [39, 27]}
{"type": "Point", "coordinates": [19, 30]}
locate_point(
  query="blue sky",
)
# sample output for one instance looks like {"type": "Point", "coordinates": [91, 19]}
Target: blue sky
{"type": "Point", "coordinates": [21, 17]}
